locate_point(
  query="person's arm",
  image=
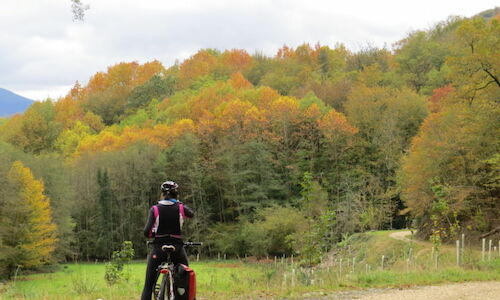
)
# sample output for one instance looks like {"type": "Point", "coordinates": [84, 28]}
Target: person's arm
{"type": "Point", "coordinates": [188, 212]}
{"type": "Point", "coordinates": [149, 224]}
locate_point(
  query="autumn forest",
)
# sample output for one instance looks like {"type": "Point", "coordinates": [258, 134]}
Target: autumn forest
{"type": "Point", "coordinates": [277, 155]}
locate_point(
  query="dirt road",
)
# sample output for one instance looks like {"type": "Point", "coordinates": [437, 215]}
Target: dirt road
{"type": "Point", "coordinates": [401, 235]}
{"type": "Point", "coordinates": [456, 291]}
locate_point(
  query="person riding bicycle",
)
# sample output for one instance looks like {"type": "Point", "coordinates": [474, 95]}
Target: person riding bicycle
{"type": "Point", "coordinates": [164, 225]}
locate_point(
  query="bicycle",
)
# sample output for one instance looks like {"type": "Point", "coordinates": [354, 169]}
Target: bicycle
{"type": "Point", "coordinates": [165, 289]}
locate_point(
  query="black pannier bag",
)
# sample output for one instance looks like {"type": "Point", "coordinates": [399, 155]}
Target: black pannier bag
{"type": "Point", "coordinates": [184, 283]}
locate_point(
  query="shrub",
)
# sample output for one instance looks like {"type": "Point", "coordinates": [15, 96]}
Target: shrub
{"type": "Point", "coordinates": [115, 268]}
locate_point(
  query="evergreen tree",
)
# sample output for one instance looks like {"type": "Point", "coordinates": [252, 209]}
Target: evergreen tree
{"type": "Point", "coordinates": [106, 228]}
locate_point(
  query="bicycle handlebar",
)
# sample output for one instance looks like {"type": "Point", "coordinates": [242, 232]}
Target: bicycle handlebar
{"type": "Point", "coordinates": [193, 243]}
{"type": "Point", "coordinates": [189, 244]}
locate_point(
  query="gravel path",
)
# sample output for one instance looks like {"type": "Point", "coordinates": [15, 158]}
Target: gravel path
{"type": "Point", "coordinates": [456, 291]}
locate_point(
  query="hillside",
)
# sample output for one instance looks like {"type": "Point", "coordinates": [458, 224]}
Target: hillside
{"type": "Point", "coordinates": [11, 103]}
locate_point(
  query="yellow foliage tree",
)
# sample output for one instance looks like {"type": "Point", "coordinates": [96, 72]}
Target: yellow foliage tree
{"type": "Point", "coordinates": [39, 240]}
{"type": "Point", "coordinates": [334, 123]}
{"type": "Point", "coordinates": [114, 139]}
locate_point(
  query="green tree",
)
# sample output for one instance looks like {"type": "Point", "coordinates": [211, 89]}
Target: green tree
{"type": "Point", "coordinates": [105, 213]}
{"type": "Point", "coordinates": [369, 56]}
{"type": "Point", "coordinates": [157, 87]}
{"type": "Point", "coordinates": [417, 56]}
{"type": "Point", "coordinates": [319, 221]}
{"type": "Point", "coordinates": [475, 70]}
{"type": "Point", "coordinates": [35, 131]}
{"type": "Point", "coordinates": [387, 120]}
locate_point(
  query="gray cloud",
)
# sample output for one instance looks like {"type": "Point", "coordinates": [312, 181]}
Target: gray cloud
{"type": "Point", "coordinates": [42, 49]}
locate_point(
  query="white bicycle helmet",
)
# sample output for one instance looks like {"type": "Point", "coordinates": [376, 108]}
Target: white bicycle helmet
{"type": "Point", "coordinates": [168, 186]}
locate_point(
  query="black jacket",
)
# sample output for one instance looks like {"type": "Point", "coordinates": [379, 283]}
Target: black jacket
{"type": "Point", "coordinates": [165, 219]}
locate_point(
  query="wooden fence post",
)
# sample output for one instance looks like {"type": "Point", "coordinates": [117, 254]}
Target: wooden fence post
{"type": "Point", "coordinates": [462, 252]}
{"type": "Point", "coordinates": [458, 253]}
{"type": "Point", "coordinates": [489, 250]}
{"type": "Point", "coordinates": [382, 263]}
{"type": "Point", "coordinates": [483, 248]}
{"type": "Point", "coordinates": [437, 259]}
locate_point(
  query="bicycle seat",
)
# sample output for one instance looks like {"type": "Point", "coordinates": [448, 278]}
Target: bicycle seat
{"type": "Point", "coordinates": [168, 248]}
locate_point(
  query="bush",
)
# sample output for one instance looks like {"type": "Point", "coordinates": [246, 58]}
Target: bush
{"type": "Point", "coordinates": [270, 232]}
{"type": "Point", "coordinates": [275, 228]}
{"type": "Point", "coordinates": [115, 268]}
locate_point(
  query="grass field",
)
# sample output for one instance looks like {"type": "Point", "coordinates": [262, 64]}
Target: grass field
{"type": "Point", "coordinates": [216, 280]}
{"type": "Point", "coordinates": [235, 279]}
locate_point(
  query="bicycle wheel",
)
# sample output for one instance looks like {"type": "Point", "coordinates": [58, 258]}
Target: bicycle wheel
{"type": "Point", "coordinates": [166, 287]}
{"type": "Point", "coordinates": [156, 289]}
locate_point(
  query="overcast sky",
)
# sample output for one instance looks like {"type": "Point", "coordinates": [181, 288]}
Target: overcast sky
{"type": "Point", "coordinates": [43, 51]}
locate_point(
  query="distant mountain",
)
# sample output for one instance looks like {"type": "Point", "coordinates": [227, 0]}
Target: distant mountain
{"type": "Point", "coordinates": [490, 13]}
{"type": "Point", "coordinates": [11, 103]}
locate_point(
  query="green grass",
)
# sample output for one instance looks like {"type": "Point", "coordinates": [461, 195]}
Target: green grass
{"type": "Point", "coordinates": [232, 280]}
{"type": "Point", "coordinates": [398, 279]}
{"type": "Point", "coordinates": [220, 280]}
{"type": "Point", "coordinates": [216, 280]}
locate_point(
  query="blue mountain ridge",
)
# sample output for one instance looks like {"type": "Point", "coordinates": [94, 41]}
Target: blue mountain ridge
{"type": "Point", "coordinates": [11, 103]}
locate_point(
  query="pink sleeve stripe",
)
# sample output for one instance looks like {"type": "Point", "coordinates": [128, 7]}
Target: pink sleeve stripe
{"type": "Point", "coordinates": [181, 210]}
{"type": "Point", "coordinates": [153, 229]}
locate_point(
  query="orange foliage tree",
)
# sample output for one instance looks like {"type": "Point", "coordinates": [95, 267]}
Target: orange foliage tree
{"type": "Point", "coordinates": [200, 64]}
{"type": "Point", "coordinates": [106, 93]}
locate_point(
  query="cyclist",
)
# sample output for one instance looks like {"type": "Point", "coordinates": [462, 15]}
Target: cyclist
{"type": "Point", "coordinates": [164, 225]}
